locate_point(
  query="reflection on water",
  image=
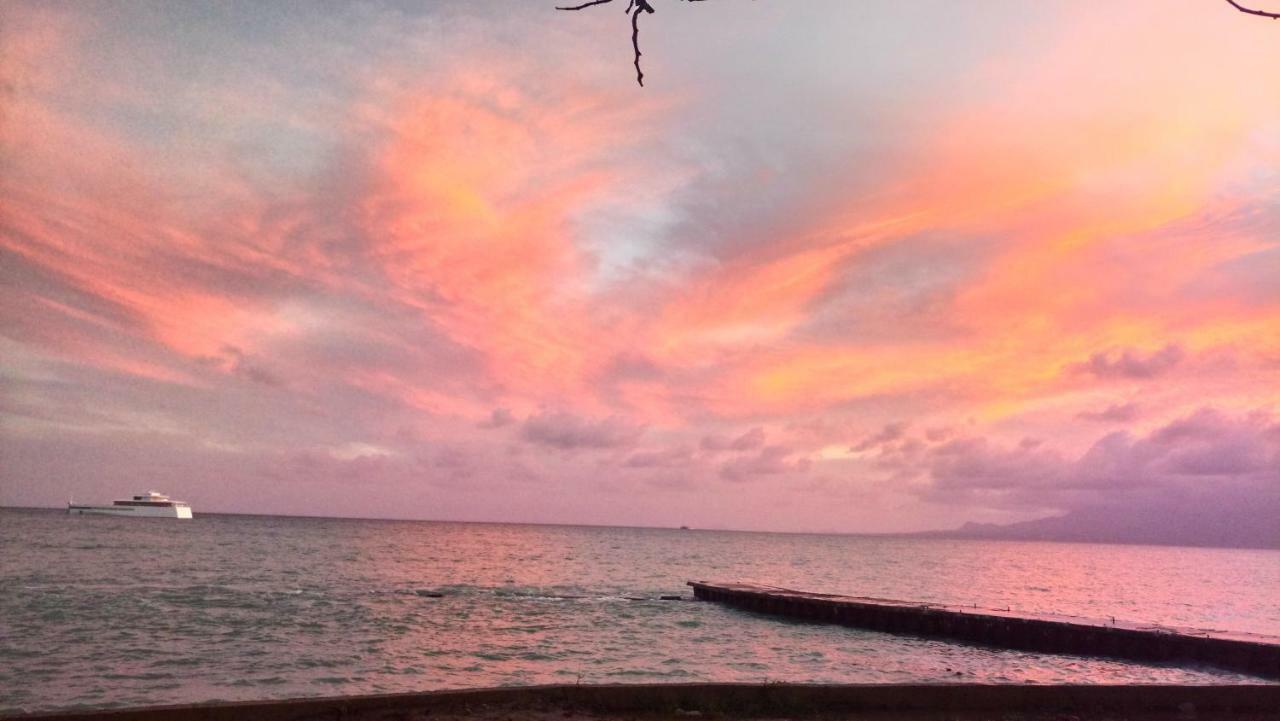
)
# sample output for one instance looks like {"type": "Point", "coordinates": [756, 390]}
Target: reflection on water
{"type": "Point", "coordinates": [109, 612]}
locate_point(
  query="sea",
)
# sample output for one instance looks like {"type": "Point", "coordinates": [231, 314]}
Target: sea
{"type": "Point", "coordinates": [100, 612]}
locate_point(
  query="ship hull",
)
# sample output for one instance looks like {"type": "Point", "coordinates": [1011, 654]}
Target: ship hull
{"type": "Point", "coordinates": [132, 511]}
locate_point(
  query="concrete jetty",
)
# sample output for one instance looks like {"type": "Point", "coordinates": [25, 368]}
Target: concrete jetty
{"type": "Point", "coordinates": [1242, 652]}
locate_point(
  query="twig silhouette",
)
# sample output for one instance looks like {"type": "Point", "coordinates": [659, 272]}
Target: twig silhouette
{"type": "Point", "coordinates": [634, 8]}
{"type": "Point", "coordinates": [1251, 11]}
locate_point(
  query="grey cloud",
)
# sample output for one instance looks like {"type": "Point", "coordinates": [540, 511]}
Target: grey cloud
{"type": "Point", "coordinates": [257, 374]}
{"type": "Point", "coordinates": [975, 465]}
{"type": "Point", "coordinates": [1204, 424]}
{"type": "Point", "coordinates": [234, 361]}
{"type": "Point", "coordinates": [320, 467]}
{"type": "Point", "coordinates": [677, 457]}
{"type": "Point", "coordinates": [1251, 277]}
{"type": "Point", "coordinates": [454, 465]}
{"type": "Point", "coordinates": [25, 283]}
{"type": "Point", "coordinates": [1116, 413]}
{"type": "Point", "coordinates": [1204, 452]}
{"type": "Point", "coordinates": [901, 290]}
{"type": "Point", "coordinates": [633, 366]}
{"type": "Point", "coordinates": [499, 418]}
{"type": "Point", "coordinates": [770, 461]}
{"type": "Point", "coordinates": [937, 435]}
{"type": "Point", "coordinates": [891, 432]}
{"type": "Point", "coordinates": [567, 432]}
{"type": "Point", "coordinates": [748, 441]}
{"type": "Point", "coordinates": [1131, 364]}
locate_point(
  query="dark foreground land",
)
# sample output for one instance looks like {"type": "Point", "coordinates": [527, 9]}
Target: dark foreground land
{"type": "Point", "coordinates": [716, 702]}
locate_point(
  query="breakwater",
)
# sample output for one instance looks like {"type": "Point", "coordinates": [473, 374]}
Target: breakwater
{"type": "Point", "coordinates": [1248, 653]}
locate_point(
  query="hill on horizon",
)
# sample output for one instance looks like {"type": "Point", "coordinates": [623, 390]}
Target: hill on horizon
{"type": "Point", "coordinates": [1201, 524]}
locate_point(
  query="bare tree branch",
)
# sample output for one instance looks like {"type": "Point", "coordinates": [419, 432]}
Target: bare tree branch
{"type": "Point", "coordinates": [634, 8]}
{"type": "Point", "coordinates": [1251, 11]}
{"type": "Point", "coordinates": [585, 5]}
{"type": "Point", "coordinates": [640, 6]}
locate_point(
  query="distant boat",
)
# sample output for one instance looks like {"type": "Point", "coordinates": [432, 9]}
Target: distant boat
{"type": "Point", "coordinates": [684, 528]}
{"type": "Point", "coordinates": [147, 505]}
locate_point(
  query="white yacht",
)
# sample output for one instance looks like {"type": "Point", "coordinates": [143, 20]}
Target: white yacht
{"type": "Point", "coordinates": [147, 505]}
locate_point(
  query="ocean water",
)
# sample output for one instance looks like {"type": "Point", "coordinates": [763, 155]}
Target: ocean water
{"type": "Point", "coordinates": [106, 612]}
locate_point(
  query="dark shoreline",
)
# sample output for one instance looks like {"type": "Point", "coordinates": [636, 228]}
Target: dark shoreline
{"type": "Point", "coordinates": [721, 700]}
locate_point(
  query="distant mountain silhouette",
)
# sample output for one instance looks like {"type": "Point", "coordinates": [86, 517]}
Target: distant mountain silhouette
{"type": "Point", "coordinates": [1245, 523]}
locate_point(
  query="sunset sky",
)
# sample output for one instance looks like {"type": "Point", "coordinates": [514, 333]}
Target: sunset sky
{"type": "Point", "coordinates": [839, 266]}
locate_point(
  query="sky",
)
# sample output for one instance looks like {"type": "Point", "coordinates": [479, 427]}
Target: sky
{"type": "Point", "coordinates": [851, 267]}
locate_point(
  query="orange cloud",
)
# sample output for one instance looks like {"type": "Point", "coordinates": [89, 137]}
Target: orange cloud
{"type": "Point", "coordinates": [473, 214]}
{"type": "Point", "coordinates": [1102, 190]}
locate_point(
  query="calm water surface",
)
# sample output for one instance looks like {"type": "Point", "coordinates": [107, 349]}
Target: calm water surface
{"type": "Point", "coordinates": [98, 611]}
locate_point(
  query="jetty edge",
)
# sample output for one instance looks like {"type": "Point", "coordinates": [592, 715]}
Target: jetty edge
{"type": "Point", "coordinates": [1253, 654]}
{"type": "Point", "coordinates": [629, 702]}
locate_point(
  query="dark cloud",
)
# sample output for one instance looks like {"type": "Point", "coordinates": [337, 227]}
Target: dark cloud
{"type": "Point", "coordinates": [1131, 364]}
{"type": "Point", "coordinates": [257, 374]}
{"type": "Point", "coordinates": [749, 441]}
{"type": "Point", "coordinates": [1207, 479]}
{"type": "Point", "coordinates": [901, 291]}
{"type": "Point", "coordinates": [976, 466]}
{"type": "Point", "coordinates": [891, 432]}
{"type": "Point", "coordinates": [1202, 453]}
{"type": "Point", "coordinates": [1251, 277]}
{"type": "Point", "coordinates": [1204, 424]}
{"type": "Point", "coordinates": [633, 366]}
{"type": "Point", "coordinates": [1116, 413]}
{"type": "Point", "coordinates": [823, 430]}
{"type": "Point", "coordinates": [234, 361]}
{"type": "Point", "coordinates": [678, 457]}
{"type": "Point", "coordinates": [321, 468]}
{"type": "Point", "coordinates": [937, 435]}
{"type": "Point", "coordinates": [453, 464]}
{"type": "Point", "coordinates": [1209, 443]}
{"type": "Point", "coordinates": [567, 431]}
{"type": "Point", "coordinates": [770, 461]}
{"type": "Point", "coordinates": [28, 286]}
{"type": "Point", "coordinates": [499, 418]}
